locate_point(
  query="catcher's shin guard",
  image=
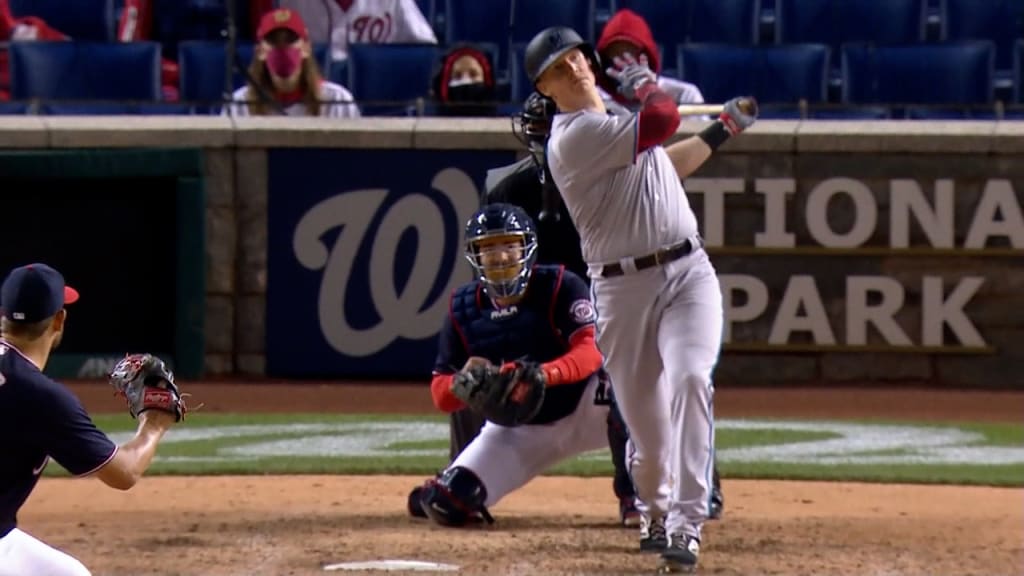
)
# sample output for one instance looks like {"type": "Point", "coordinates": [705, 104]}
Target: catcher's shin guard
{"type": "Point", "coordinates": [455, 498]}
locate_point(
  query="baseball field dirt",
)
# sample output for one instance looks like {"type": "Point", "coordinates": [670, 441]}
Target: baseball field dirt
{"type": "Point", "coordinates": [294, 525]}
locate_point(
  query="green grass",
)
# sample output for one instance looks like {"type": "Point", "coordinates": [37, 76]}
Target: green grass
{"type": "Point", "coordinates": [206, 456]}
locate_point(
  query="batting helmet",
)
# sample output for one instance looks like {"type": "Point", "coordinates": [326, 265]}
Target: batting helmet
{"type": "Point", "coordinates": [551, 44]}
{"type": "Point", "coordinates": [501, 277]}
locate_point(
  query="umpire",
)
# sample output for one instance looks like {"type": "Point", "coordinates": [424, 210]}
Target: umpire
{"type": "Point", "coordinates": [528, 184]}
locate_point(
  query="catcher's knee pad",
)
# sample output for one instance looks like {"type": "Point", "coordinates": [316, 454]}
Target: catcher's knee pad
{"type": "Point", "coordinates": [455, 498]}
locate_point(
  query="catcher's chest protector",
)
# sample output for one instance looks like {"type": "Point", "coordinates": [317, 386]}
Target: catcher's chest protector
{"type": "Point", "coordinates": [526, 333]}
{"type": "Point", "coordinates": [517, 332]}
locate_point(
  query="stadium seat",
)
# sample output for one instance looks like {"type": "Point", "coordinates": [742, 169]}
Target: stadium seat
{"type": "Point", "coordinates": [83, 20]}
{"type": "Point", "coordinates": [955, 73]}
{"type": "Point", "coordinates": [202, 65]}
{"type": "Point", "coordinates": [773, 74]}
{"type": "Point", "coordinates": [1001, 21]}
{"type": "Point", "coordinates": [80, 71]}
{"type": "Point", "coordinates": [851, 113]}
{"type": "Point", "coordinates": [386, 79]}
{"type": "Point", "coordinates": [177, 21]}
{"type": "Point", "coordinates": [702, 21]}
{"type": "Point", "coordinates": [837, 22]}
{"type": "Point", "coordinates": [1018, 71]}
{"type": "Point", "coordinates": [493, 21]}
{"type": "Point", "coordinates": [13, 108]}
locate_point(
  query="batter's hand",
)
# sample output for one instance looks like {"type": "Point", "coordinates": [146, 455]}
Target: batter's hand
{"type": "Point", "coordinates": [631, 74]}
{"type": "Point", "coordinates": [739, 114]}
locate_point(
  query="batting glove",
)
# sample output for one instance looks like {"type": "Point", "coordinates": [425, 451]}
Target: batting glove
{"type": "Point", "coordinates": [739, 114]}
{"type": "Point", "coordinates": [631, 74]}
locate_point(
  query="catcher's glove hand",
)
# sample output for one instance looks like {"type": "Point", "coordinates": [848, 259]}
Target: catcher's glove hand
{"type": "Point", "coordinates": [509, 396]}
{"type": "Point", "coordinates": [147, 384]}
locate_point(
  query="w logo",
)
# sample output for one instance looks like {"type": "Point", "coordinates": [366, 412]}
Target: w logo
{"type": "Point", "coordinates": [402, 311]}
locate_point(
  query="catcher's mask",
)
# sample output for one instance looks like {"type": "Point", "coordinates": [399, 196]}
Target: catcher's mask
{"type": "Point", "coordinates": [501, 245]}
{"type": "Point", "coordinates": [532, 126]}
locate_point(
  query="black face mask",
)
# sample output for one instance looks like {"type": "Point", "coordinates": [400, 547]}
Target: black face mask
{"type": "Point", "coordinates": [470, 100]}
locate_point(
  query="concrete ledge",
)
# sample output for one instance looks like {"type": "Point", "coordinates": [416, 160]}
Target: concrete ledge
{"type": "Point", "coordinates": [282, 132]}
{"type": "Point", "coordinates": [465, 133]}
{"type": "Point", "coordinates": [895, 136]}
{"type": "Point", "coordinates": [1008, 138]}
{"type": "Point", "coordinates": [23, 132]}
{"type": "Point", "coordinates": [139, 131]}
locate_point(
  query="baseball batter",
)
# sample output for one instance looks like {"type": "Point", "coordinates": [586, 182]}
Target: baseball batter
{"type": "Point", "coordinates": [659, 303]}
{"type": "Point", "coordinates": [518, 347]}
{"type": "Point", "coordinates": [47, 421]}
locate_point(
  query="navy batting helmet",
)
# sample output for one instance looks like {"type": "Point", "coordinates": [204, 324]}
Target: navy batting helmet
{"type": "Point", "coordinates": [551, 44]}
{"type": "Point", "coordinates": [501, 245]}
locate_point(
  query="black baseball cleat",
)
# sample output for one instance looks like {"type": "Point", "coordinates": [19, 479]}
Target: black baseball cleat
{"type": "Point", "coordinates": [680, 557]}
{"type": "Point", "coordinates": [652, 534]}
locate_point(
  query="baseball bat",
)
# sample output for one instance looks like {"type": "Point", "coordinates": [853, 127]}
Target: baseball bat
{"type": "Point", "coordinates": [700, 109]}
{"type": "Point", "coordinates": [746, 105]}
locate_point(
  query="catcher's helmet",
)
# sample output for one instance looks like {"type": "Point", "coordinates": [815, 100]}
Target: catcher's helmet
{"type": "Point", "coordinates": [504, 273]}
{"type": "Point", "coordinates": [532, 125]}
{"type": "Point", "coordinates": [551, 44]}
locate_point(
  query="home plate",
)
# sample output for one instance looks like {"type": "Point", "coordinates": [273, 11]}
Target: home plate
{"type": "Point", "coordinates": [393, 566]}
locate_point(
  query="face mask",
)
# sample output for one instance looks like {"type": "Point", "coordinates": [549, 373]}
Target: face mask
{"type": "Point", "coordinates": [284, 61]}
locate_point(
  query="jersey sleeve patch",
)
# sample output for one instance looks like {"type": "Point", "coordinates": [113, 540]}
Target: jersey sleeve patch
{"type": "Point", "coordinates": [583, 312]}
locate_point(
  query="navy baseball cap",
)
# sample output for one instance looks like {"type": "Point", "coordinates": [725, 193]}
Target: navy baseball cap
{"type": "Point", "coordinates": [34, 293]}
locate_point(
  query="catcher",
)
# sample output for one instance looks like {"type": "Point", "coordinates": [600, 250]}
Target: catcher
{"type": "Point", "coordinates": [517, 348]}
{"type": "Point", "coordinates": [42, 419]}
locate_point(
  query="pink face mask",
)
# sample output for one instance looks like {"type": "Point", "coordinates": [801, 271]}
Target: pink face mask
{"type": "Point", "coordinates": [283, 61]}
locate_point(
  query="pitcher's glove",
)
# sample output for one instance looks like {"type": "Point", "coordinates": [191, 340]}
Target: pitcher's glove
{"type": "Point", "coordinates": [508, 396]}
{"type": "Point", "coordinates": [147, 384]}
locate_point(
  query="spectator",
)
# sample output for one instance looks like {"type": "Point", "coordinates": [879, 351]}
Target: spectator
{"type": "Point", "coordinates": [464, 83]}
{"type": "Point", "coordinates": [28, 28]}
{"type": "Point", "coordinates": [284, 77]}
{"type": "Point", "coordinates": [627, 31]}
{"type": "Point", "coordinates": [344, 22]}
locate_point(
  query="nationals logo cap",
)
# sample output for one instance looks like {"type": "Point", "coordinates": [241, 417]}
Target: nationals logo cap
{"type": "Point", "coordinates": [34, 293]}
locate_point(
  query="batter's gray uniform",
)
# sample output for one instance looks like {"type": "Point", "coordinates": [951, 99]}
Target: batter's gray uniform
{"type": "Point", "coordinates": [660, 327]}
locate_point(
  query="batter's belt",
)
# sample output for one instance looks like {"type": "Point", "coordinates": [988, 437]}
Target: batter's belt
{"type": "Point", "coordinates": [662, 256]}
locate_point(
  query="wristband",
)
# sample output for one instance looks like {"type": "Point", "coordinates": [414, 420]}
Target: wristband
{"type": "Point", "coordinates": [714, 135]}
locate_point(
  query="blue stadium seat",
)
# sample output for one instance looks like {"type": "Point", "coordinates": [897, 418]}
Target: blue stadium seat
{"type": "Point", "coordinates": [386, 79]}
{"type": "Point", "coordinates": [520, 86]}
{"type": "Point", "coordinates": [13, 108]}
{"type": "Point", "coordinates": [772, 74]}
{"type": "Point", "coordinates": [1018, 71]}
{"type": "Point", "coordinates": [493, 21]}
{"type": "Point", "coordinates": [87, 20]}
{"type": "Point", "coordinates": [851, 113]}
{"type": "Point", "coordinates": [80, 71]}
{"type": "Point", "coordinates": [176, 21]}
{"type": "Point", "coordinates": [954, 73]}
{"type": "Point", "coordinates": [202, 65]}
{"type": "Point", "coordinates": [836, 22]}
{"type": "Point", "coordinates": [1001, 21]}
{"type": "Point", "coordinates": [702, 21]}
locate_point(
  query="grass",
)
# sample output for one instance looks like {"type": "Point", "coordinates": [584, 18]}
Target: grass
{"type": "Point", "coordinates": [398, 450]}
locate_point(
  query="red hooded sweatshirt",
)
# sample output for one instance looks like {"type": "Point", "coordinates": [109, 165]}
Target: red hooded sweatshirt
{"type": "Point", "coordinates": [658, 116]}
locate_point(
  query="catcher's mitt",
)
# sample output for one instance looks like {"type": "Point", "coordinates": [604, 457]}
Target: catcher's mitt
{"type": "Point", "coordinates": [509, 396]}
{"type": "Point", "coordinates": [147, 384]}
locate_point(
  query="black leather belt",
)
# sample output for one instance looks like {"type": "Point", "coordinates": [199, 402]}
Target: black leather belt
{"type": "Point", "coordinates": [663, 256]}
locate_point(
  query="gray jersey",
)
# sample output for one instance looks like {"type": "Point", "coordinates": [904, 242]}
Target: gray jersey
{"type": "Point", "coordinates": [624, 204]}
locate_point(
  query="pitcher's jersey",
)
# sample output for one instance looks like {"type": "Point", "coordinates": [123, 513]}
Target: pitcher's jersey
{"type": "Point", "coordinates": [362, 22]}
{"type": "Point", "coordinates": [39, 420]}
{"type": "Point", "coordinates": [624, 204]}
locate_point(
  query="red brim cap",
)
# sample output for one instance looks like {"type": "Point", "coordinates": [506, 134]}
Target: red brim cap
{"type": "Point", "coordinates": [70, 295]}
{"type": "Point", "coordinates": [282, 18]}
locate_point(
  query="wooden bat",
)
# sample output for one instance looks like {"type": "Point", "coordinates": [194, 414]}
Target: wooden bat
{"type": "Point", "coordinates": [700, 109]}
{"type": "Point", "coordinates": [746, 105]}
